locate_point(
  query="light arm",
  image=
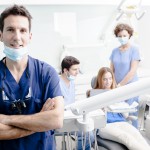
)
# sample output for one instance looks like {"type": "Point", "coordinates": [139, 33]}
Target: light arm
{"type": "Point", "coordinates": [42, 121]}
{"type": "Point", "coordinates": [110, 97]}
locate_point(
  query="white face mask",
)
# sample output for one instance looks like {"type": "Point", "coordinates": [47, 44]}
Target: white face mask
{"type": "Point", "coordinates": [15, 54]}
{"type": "Point", "coordinates": [123, 40]}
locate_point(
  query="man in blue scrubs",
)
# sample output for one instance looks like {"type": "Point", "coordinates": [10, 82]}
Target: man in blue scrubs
{"type": "Point", "coordinates": [31, 103]}
{"type": "Point", "coordinates": [70, 70]}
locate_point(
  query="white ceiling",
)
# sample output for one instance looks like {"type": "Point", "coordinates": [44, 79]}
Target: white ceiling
{"type": "Point", "coordinates": [61, 2]}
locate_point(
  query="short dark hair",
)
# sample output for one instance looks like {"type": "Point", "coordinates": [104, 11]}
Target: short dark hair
{"type": "Point", "coordinates": [17, 10]}
{"type": "Point", "coordinates": [122, 26]}
{"type": "Point", "coordinates": [68, 61]}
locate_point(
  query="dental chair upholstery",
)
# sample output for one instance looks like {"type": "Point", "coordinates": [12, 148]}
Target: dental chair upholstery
{"type": "Point", "coordinates": [109, 144]}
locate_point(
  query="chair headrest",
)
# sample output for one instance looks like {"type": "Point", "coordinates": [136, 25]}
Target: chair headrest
{"type": "Point", "coordinates": [93, 82]}
{"type": "Point", "coordinates": [94, 91]}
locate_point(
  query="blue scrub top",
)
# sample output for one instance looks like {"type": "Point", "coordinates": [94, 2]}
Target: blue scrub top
{"type": "Point", "coordinates": [68, 92]}
{"type": "Point", "coordinates": [122, 62]}
{"type": "Point", "coordinates": [38, 83]}
{"type": "Point", "coordinates": [114, 117]}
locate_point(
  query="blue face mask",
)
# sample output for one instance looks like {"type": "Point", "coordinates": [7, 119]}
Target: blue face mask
{"type": "Point", "coordinates": [70, 77]}
{"type": "Point", "coordinates": [15, 54]}
{"type": "Point", "coordinates": [123, 40]}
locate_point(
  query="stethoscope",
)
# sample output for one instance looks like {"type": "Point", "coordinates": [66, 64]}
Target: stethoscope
{"type": "Point", "coordinates": [16, 105]}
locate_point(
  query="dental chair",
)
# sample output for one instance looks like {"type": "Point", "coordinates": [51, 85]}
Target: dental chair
{"type": "Point", "coordinates": [105, 144]}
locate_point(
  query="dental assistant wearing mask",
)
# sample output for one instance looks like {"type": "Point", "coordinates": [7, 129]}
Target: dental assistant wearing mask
{"type": "Point", "coordinates": [125, 59]}
{"type": "Point", "coordinates": [70, 70]}
{"type": "Point", "coordinates": [31, 103]}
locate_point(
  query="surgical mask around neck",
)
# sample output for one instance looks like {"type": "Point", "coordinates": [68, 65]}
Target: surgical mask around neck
{"type": "Point", "coordinates": [15, 54]}
{"type": "Point", "coordinates": [70, 77]}
{"type": "Point", "coordinates": [123, 40]}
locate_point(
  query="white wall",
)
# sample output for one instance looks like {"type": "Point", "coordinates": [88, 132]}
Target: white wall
{"type": "Point", "coordinates": [91, 20]}
{"type": "Point", "coordinates": [144, 38]}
